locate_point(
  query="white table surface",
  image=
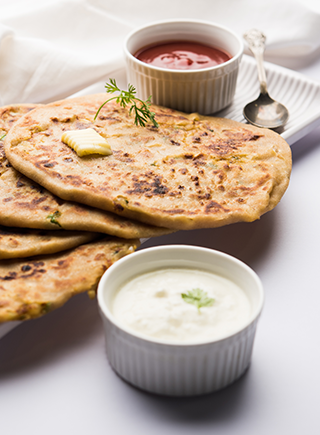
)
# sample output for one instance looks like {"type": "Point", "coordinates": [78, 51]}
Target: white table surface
{"type": "Point", "coordinates": [55, 377]}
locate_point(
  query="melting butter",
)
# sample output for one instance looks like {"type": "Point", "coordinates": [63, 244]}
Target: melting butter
{"type": "Point", "coordinates": [86, 142]}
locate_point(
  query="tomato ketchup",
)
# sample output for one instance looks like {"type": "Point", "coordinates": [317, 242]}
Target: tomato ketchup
{"type": "Point", "coordinates": [182, 55]}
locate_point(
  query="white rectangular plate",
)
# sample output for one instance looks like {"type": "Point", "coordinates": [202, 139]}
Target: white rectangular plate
{"type": "Point", "coordinates": [298, 93]}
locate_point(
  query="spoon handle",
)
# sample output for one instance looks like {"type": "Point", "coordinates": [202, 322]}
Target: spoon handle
{"type": "Point", "coordinates": [256, 42]}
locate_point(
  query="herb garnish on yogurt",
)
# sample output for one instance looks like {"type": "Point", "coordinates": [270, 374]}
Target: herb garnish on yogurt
{"type": "Point", "coordinates": [197, 297]}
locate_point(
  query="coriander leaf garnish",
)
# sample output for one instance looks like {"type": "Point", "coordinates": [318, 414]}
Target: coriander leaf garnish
{"type": "Point", "coordinates": [53, 217]}
{"type": "Point", "coordinates": [197, 297]}
{"type": "Point", "coordinates": [142, 112]}
{"type": "Point", "coordinates": [3, 136]}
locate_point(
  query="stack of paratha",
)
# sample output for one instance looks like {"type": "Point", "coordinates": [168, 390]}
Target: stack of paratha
{"type": "Point", "coordinates": [34, 282]}
{"type": "Point", "coordinates": [190, 172]}
{"type": "Point", "coordinates": [24, 203]}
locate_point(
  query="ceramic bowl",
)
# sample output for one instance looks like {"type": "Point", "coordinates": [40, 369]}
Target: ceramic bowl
{"type": "Point", "coordinates": [205, 91]}
{"type": "Point", "coordinates": [178, 369]}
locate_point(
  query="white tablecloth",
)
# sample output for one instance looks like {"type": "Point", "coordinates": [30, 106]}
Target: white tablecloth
{"type": "Point", "coordinates": [54, 374]}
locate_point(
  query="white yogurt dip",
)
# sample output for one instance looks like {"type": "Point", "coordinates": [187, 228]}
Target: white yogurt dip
{"type": "Point", "coordinates": [151, 304]}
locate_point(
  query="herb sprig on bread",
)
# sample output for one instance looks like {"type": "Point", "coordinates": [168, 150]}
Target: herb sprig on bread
{"type": "Point", "coordinates": [141, 109]}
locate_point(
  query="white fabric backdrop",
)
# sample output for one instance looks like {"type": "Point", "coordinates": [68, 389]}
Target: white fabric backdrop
{"type": "Point", "coordinates": [51, 49]}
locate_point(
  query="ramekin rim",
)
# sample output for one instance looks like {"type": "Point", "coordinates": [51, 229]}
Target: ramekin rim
{"type": "Point", "coordinates": [161, 342]}
{"type": "Point", "coordinates": [181, 71]}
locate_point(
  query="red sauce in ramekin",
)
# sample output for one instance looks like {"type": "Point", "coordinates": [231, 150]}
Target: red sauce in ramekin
{"type": "Point", "coordinates": [182, 55]}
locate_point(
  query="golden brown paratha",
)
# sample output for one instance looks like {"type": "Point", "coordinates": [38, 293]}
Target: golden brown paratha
{"type": "Point", "coordinates": [25, 242]}
{"type": "Point", "coordinates": [32, 287]}
{"type": "Point", "coordinates": [20, 242]}
{"type": "Point", "coordinates": [24, 203]}
{"type": "Point", "coordinates": [191, 172]}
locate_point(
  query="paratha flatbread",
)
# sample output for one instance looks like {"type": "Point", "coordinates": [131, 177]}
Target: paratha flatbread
{"type": "Point", "coordinates": [24, 203]}
{"type": "Point", "coordinates": [32, 287]}
{"type": "Point", "coordinates": [24, 242]}
{"type": "Point", "coordinates": [19, 242]}
{"type": "Point", "coordinates": [192, 172]}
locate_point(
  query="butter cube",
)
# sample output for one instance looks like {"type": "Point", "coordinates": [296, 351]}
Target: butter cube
{"type": "Point", "coordinates": [86, 142]}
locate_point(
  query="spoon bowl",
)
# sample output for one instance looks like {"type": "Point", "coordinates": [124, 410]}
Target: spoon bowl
{"type": "Point", "coordinates": [264, 111]}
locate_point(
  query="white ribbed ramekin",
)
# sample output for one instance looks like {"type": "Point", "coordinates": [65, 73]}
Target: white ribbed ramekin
{"type": "Point", "coordinates": [205, 90]}
{"type": "Point", "coordinates": [178, 369]}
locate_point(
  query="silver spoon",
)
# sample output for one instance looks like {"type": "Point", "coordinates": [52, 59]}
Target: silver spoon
{"type": "Point", "coordinates": [264, 111]}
